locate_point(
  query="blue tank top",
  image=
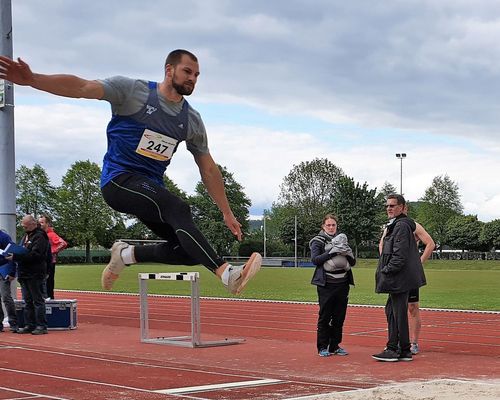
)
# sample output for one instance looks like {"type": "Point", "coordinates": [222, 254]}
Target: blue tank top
{"type": "Point", "coordinates": [144, 143]}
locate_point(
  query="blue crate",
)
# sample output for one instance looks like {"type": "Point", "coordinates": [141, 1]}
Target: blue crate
{"type": "Point", "coordinates": [61, 314]}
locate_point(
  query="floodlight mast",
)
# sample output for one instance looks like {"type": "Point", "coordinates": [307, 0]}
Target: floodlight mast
{"type": "Point", "coordinates": [401, 156]}
{"type": "Point", "coordinates": [7, 152]}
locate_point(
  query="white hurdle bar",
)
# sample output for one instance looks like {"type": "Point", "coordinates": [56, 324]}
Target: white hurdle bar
{"type": "Point", "coordinates": [194, 340]}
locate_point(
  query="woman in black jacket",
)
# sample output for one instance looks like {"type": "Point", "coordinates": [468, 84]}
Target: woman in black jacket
{"type": "Point", "coordinates": [333, 258]}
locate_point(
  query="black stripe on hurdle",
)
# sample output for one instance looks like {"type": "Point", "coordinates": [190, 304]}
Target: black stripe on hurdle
{"type": "Point", "coordinates": [152, 276]}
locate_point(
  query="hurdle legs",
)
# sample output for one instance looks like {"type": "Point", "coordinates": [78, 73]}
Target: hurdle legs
{"type": "Point", "coordinates": [194, 340]}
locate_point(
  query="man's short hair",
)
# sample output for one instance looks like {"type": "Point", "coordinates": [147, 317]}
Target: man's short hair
{"type": "Point", "coordinates": [47, 217]}
{"type": "Point", "coordinates": [175, 56]}
{"type": "Point", "coordinates": [399, 198]}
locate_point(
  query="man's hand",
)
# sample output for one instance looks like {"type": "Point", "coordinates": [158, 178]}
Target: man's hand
{"type": "Point", "coordinates": [233, 225]}
{"type": "Point", "coordinates": [16, 72]}
{"type": "Point", "coordinates": [9, 257]}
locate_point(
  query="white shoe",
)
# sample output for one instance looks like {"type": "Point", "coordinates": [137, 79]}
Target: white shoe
{"type": "Point", "coordinates": [115, 266]}
{"type": "Point", "coordinates": [239, 275]}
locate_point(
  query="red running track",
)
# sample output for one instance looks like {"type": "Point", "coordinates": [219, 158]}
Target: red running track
{"type": "Point", "coordinates": [104, 358]}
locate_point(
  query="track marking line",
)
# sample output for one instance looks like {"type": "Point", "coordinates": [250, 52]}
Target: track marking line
{"type": "Point", "coordinates": [205, 388]}
{"type": "Point", "coordinates": [74, 380]}
{"type": "Point", "coordinates": [31, 394]}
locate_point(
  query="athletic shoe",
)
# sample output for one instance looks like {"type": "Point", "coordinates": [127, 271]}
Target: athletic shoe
{"type": "Point", "coordinates": [239, 275]}
{"type": "Point", "coordinates": [115, 266]}
{"type": "Point", "coordinates": [26, 329]}
{"type": "Point", "coordinates": [405, 356]}
{"type": "Point", "coordinates": [324, 353]}
{"type": "Point", "coordinates": [387, 355]}
{"type": "Point", "coordinates": [39, 330]}
{"type": "Point", "coordinates": [14, 328]}
{"type": "Point", "coordinates": [414, 348]}
{"type": "Point", "coordinates": [340, 352]}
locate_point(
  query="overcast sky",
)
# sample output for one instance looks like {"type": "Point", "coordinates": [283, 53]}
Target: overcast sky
{"type": "Point", "coordinates": [284, 82]}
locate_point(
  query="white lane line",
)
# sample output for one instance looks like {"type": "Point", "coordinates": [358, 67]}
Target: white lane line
{"type": "Point", "coordinates": [86, 381]}
{"type": "Point", "coordinates": [204, 388]}
{"type": "Point", "coordinates": [31, 394]}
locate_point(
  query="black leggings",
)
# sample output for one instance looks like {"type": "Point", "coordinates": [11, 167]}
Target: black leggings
{"type": "Point", "coordinates": [167, 216]}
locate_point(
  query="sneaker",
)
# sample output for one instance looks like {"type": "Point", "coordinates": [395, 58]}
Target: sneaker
{"type": "Point", "coordinates": [240, 275]}
{"type": "Point", "coordinates": [39, 330]}
{"type": "Point", "coordinates": [324, 353]}
{"type": "Point", "coordinates": [340, 352]}
{"type": "Point", "coordinates": [14, 328]}
{"type": "Point", "coordinates": [26, 329]}
{"type": "Point", "coordinates": [414, 348]}
{"type": "Point", "coordinates": [405, 356]}
{"type": "Point", "coordinates": [387, 355]}
{"type": "Point", "coordinates": [115, 267]}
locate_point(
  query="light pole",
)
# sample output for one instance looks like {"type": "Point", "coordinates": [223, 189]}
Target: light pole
{"type": "Point", "coordinates": [264, 228]}
{"type": "Point", "coordinates": [401, 156]}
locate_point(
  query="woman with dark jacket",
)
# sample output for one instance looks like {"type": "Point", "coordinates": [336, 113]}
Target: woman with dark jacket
{"type": "Point", "coordinates": [333, 258]}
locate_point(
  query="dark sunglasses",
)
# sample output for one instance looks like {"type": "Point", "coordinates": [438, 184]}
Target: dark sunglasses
{"type": "Point", "coordinates": [391, 205]}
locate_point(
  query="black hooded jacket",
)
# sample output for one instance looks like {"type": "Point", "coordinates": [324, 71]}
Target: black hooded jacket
{"type": "Point", "coordinates": [33, 264]}
{"type": "Point", "coordinates": [399, 267]}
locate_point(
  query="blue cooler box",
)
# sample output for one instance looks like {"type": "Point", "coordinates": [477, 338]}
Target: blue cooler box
{"type": "Point", "coordinates": [61, 314]}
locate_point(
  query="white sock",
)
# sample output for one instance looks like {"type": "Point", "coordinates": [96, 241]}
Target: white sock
{"type": "Point", "coordinates": [127, 255]}
{"type": "Point", "coordinates": [225, 274]}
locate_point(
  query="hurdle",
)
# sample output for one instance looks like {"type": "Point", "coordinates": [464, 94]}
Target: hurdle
{"type": "Point", "coordinates": [193, 340]}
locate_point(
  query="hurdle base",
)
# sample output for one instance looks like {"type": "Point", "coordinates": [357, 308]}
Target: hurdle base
{"type": "Point", "coordinates": [188, 341]}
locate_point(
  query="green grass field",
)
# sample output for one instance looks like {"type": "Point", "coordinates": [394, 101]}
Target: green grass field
{"type": "Point", "coordinates": [471, 285]}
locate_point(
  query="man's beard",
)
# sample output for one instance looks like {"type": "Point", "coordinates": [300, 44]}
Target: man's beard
{"type": "Point", "coordinates": [181, 89]}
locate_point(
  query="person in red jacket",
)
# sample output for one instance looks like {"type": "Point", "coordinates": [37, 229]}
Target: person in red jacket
{"type": "Point", "coordinates": [57, 244]}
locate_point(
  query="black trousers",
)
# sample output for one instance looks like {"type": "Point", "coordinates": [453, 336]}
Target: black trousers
{"type": "Point", "coordinates": [396, 311]}
{"type": "Point", "coordinates": [34, 310]}
{"type": "Point", "coordinates": [167, 216]}
{"type": "Point", "coordinates": [51, 272]}
{"type": "Point", "coordinates": [333, 299]}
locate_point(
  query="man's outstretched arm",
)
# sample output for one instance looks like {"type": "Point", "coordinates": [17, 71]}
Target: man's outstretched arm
{"type": "Point", "coordinates": [213, 181]}
{"type": "Point", "coordinates": [20, 73]}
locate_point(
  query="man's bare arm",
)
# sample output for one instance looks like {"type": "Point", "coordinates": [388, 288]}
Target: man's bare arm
{"type": "Point", "coordinates": [20, 73]}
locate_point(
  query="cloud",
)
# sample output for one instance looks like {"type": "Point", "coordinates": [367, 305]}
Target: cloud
{"type": "Point", "coordinates": [371, 79]}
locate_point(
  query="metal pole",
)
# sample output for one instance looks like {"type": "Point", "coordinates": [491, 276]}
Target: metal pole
{"type": "Point", "coordinates": [7, 158]}
{"type": "Point", "coordinates": [295, 239]}
{"type": "Point", "coordinates": [401, 178]}
{"type": "Point", "coordinates": [264, 227]}
{"type": "Point", "coordinates": [400, 156]}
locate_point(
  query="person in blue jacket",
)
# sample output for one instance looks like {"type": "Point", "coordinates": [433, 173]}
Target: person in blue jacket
{"type": "Point", "coordinates": [7, 275]}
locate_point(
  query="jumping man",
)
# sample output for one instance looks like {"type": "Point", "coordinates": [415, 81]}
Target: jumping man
{"type": "Point", "coordinates": [149, 120]}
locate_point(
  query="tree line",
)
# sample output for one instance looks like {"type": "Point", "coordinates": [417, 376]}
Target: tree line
{"type": "Point", "coordinates": [309, 191]}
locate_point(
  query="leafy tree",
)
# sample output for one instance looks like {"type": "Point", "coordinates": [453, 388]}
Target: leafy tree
{"type": "Point", "coordinates": [34, 194]}
{"type": "Point", "coordinates": [83, 214]}
{"type": "Point", "coordinates": [173, 188]}
{"type": "Point", "coordinates": [358, 209]}
{"type": "Point", "coordinates": [490, 234]}
{"type": "Point", "coordinates": [209, 218]}
{"type": "Point", "coordinates": [306, 193]}
{"type": "Point", "coordinates": [387, 189]}
{"type": "Point", "coordinates": [463, 232]}
{"type": "Point", "coordinates": [441, 202]}
{"type": "Point", "coordinates": [106, 236]}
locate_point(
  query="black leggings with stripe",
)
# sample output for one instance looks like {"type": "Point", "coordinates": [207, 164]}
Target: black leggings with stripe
{"type": "Point", "coordinates": [167, 216]}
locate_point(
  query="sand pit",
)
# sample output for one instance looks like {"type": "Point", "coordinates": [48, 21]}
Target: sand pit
{"type": "Point", "coordinates": [443, 389]}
